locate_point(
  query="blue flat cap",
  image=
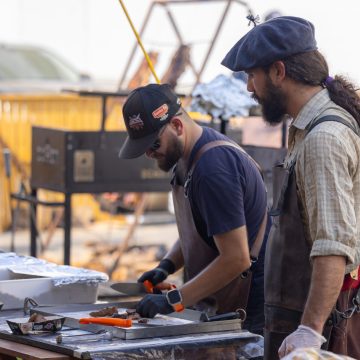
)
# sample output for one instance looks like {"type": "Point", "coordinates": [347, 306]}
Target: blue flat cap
{"type": "Point", "coordinates": [270, 41]}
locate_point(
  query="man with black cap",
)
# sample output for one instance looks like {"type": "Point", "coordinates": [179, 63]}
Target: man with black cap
{"type": "Point", "coordinates": [220, 207]}
{"type": "Point", "coordinates": [313, 253]}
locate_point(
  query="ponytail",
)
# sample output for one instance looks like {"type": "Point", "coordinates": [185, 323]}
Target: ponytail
{"type": "Point", "coordinates": [311, 69]}
{"type": "Point", "coordinates": [343, 93]}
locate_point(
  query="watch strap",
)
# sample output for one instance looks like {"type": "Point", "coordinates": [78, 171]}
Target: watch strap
{"type": "Point", "coordinates": [178, 307]}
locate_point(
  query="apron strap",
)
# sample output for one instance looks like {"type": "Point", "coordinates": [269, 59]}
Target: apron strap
{"type": "Point", "coordinates": [334, 118]}
{"type": "Point", "coordinates": [277, 207]}
{"type": "Point", "coordinates": [216, 143]}
{"type": "Point", "coordinates": [256, 247]}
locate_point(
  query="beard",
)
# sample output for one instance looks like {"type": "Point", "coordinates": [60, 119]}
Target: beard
{"type": "Point", "coordinates": [173, 154]}
{"type": "Point", "coordinates": [273, 104]}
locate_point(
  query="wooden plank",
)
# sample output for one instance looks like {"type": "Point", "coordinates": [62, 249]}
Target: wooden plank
{"type": "Point", "coordinates": [27, 352]}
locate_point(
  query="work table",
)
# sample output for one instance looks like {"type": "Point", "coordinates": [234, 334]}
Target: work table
{"type": "Point", "coordinates": [216, 345]}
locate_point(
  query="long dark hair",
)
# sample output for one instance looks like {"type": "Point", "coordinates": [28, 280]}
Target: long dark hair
{"type": "Point", "coordinates": [311, 68]}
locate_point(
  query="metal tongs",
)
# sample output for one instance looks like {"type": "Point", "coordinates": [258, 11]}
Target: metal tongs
{"type": "Point", "coordinates": [238, 314]}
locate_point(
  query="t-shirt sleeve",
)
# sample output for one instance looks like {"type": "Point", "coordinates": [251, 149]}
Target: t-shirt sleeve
{"type": "Point", "coordinates": [220, 199]}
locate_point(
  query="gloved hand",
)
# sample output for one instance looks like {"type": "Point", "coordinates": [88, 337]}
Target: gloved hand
{"type": "Point", "coordinates": [302, 337]}
{"type": "Point", "coordinates": [160, 273]}
{"type": "Point", "coordinates": [153, 304]}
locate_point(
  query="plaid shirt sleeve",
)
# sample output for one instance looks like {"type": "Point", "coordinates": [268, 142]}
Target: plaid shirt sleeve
{"type": "Point", "coordinates": [326, 169]}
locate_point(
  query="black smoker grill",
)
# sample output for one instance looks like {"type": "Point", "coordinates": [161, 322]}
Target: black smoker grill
{"type": "Point", "coordinates": [88, 162]}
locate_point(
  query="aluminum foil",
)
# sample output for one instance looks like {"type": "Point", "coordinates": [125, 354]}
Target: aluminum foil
{"type": "Point", "coordinates": [60, 274]}
{"type": "Point", "coordinates": [223, 97]}
{"type": "Point", "coordinates": [176, 347]}
{"type": "Point", "coordinates": [12, 259]}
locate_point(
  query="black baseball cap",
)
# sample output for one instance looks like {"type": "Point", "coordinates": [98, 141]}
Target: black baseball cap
{"type": "Point", "coordinates": [146, 110]}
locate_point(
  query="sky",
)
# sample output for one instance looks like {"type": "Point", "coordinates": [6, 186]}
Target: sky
{"type": "Point", "coordinates": [95, 36]}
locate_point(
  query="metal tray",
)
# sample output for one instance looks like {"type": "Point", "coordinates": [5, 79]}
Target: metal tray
{"type": "Point", "coordinates": [163, 326]}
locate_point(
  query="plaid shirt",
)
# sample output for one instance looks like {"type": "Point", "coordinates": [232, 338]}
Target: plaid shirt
{"type": "Point", "coordinates": [328, 179]}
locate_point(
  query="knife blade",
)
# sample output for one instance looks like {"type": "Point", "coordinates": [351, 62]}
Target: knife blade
{"type": "Point", "coordinates": [140, 289]}
{"type": "Point", "coordinates": [133, 288]}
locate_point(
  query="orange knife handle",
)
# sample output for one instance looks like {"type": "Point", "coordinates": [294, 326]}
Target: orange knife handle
{"type": "Point", "coordinates": [107, 321]}
{"type": "Point", "coordinates": [148, 286]}
{"type": "Point", "coordinates": [165, 286]}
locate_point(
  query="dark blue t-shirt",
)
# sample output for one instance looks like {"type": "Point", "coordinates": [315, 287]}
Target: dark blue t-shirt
{"type": "Point", "coordinates": [226, 192]}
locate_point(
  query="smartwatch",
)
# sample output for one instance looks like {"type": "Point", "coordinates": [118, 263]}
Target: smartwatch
{"type": "Point", "coordinates": [175, 300]}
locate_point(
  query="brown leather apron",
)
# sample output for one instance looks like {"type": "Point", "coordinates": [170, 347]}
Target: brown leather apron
{"type": "Point", "coordinates": [198, 254]}
{"type": "Point", "coordinates": [287, 265]}
{"type": "Point", "coordinates": [288, 268]}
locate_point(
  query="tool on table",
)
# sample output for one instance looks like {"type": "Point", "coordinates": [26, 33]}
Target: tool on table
{"type": "Point", "coordinates": [140, 289]}
{"type": "Point", "coordinates": [107, 321]}
{"type": "Point", "coordinates": [68, 339]}
{"type": "Point", "coordinates": [238, 314]}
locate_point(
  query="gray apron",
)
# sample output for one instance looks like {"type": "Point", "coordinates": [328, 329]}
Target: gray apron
{"type": "Point", "coordinates": [198, 254]}
{"type": "Point", "coordinates": [288, 268]}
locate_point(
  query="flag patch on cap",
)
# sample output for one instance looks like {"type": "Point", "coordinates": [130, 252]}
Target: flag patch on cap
{"type": "Point", "coordinates": [135, 122]}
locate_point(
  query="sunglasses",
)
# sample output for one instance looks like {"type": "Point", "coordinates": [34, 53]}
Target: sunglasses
{"type": "Point", "coordinates": [157, 143]}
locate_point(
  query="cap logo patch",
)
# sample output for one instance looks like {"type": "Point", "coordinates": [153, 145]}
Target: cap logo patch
{"type": "Point", "coordinates": [135, 122]}
{"type": "Point", "coordinates": [160, 112]}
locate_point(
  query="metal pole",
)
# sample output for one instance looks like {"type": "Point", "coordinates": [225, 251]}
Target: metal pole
{"type": "Point", "coordinates": [13, 213]}
{"type": "Point", "coordinates": [223, 125]}
{"type": "Point", "coordinates": [67, 228]}
{"type": "Point", "coordinates": [103, 99]}
{"type": "Point", "coordinates": [33, 229]}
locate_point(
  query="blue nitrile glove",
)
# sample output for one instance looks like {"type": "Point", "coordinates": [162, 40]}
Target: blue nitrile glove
{"type": "Point", "coordinates": [153, 304]}
{"type": "Point", "coordinates": [160, 273]}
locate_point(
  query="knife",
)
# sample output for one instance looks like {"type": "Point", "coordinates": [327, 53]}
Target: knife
{"type": "Point", "coordinates": [140, 289]}
{"type": "Point", "coordinates": [134, 288]}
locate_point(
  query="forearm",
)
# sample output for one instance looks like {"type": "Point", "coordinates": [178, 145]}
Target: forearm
{"type": "Point", "coordinates": [214, 277]}
{"type": "Point", "coordinates": [175, 255]}
{"type": "Point", "coordinates": [326, 281]}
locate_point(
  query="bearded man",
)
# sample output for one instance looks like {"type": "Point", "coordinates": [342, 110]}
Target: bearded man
{"type": "Point", "coordinates": [313, 254]}
{"type": "Point", "coordinates": [220, 205]}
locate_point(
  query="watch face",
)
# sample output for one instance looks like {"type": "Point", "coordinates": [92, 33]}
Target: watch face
{"type": "Point", "coordinates": [174, 296]}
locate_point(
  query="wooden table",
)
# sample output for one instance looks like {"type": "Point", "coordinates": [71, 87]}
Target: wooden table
{"type": "Point", "coordinates": [10, 350]}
